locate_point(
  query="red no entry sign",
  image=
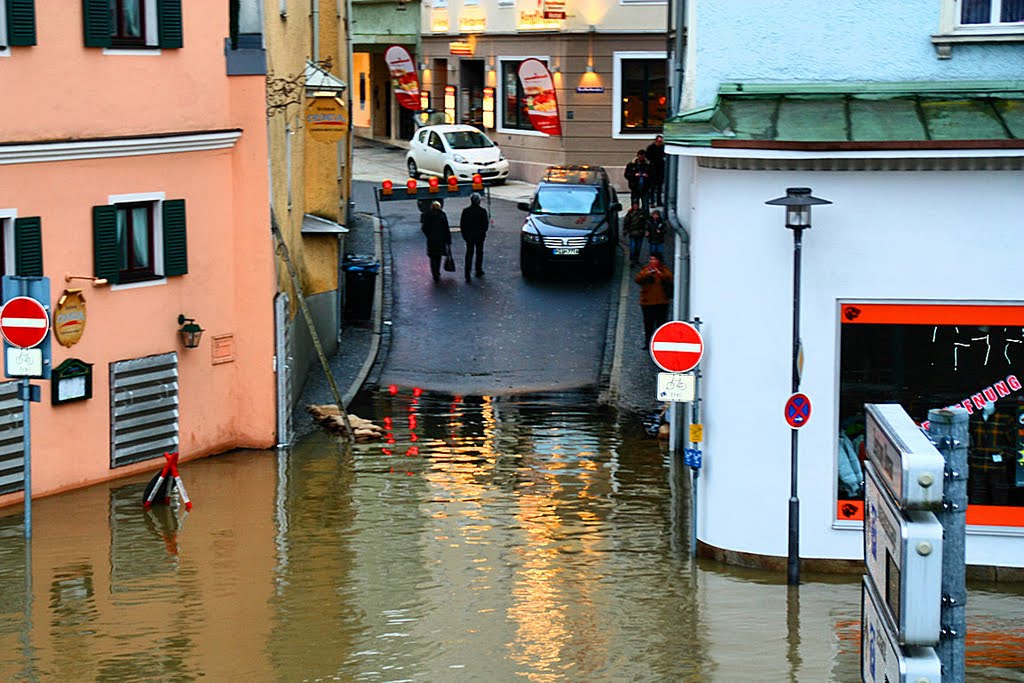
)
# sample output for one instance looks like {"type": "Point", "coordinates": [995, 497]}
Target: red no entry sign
{"type": "Point", "coordinates": [798, 410]}
{"type": "Point", "coordinates": [24, 322]}
{"type": "Point", "coordinates": [677, 346]}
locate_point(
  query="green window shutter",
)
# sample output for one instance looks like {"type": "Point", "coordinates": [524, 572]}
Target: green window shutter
{"type": "Point", "coordinates": [175, 242]}
{"type": "Point", "coordinates": [21, 23]}
{"type": "Point", "coordinates": [168, 23]}
{"type": "Point", "coordinates": [28, 246]}
{"type": "Point", "coordinates": [105, 254]}
{"type": "Point", "coordinates": [96, 22]}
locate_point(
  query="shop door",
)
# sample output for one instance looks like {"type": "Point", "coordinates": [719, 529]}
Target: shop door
{"type": "Point", "coordinates": [471, 83]}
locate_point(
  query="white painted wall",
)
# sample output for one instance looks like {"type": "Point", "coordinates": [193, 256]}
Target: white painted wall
{"type": "Point", "coordinates": [873, 243]}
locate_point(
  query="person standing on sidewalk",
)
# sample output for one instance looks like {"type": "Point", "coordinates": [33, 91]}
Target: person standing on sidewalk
{"type": "Point", "coordinates": [635, 226]}
{"type": "Point", "coordinates": [656, 230]}
{"type": "Point", "coordinates": [434, 224]}
{"type": "Point", "coordinates": [655, 282]}
{"type": "Point", "coordinates": [638, 175]}
{"type": "Point", "coordinates": [473, 223]}
{"type": "Point", "coordinates": [656, 155]}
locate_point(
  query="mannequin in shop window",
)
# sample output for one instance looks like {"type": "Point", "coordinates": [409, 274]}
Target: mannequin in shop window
{"type": "Point", "coordinates": [851, 474]}
{"type": "Point", "coordinates": [990, 454]}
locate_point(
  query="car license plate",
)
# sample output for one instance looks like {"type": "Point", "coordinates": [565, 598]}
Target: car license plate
{"type": "Point", "coordinates": [566, 252]}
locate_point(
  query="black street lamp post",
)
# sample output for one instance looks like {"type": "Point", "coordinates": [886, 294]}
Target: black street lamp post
{"type": "Point", "coordinates": [798, 202]}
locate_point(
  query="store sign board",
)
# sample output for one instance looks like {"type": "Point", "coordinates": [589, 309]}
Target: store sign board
{"type": "Point", "coordinates": [882, 658]}
{"type": "Point", "coordinates": [69, 318]}
{"type": "Point", "coordinates": [460, 47]}
{"type": "Point", "coordinates": [326, 119]}
{"type": "Point", "coordinates": [905, 458]}
{"type": "Point", "coordinates": [903, 555]}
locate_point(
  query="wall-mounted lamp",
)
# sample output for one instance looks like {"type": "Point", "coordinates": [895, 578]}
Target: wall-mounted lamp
{"type": "Point", "coordinates": [589, 69]}
{"type": "Point", "coordinates": [190, 332]}
{"type": "Point", "coordinates": [423, 66]}
{"type": "Point", "coordinates": [556, 69]}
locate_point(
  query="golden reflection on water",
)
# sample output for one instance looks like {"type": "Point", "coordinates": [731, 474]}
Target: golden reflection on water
{"type": "Point", "coordinates": [483, 540]}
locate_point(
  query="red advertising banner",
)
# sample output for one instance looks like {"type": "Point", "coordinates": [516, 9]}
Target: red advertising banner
{"type": "Point", "coordinates": [403, 77]}
{"type": "Point", "coordinates": [541, 102]}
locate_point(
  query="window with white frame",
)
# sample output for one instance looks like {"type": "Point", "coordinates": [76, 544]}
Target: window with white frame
{"type": "Point", "coordinates": [139, 238]}
{"type": "Point", "coordinates": [132, 24]}
{"type": "Point", "coordinates": [990, 12]}
{"type": "Point", "coordinates": [639, 101]}
{"type": "Point", "coordinates": [17, 24]}
{"type": "Point", "coordinates": [21, 244]}
{"type": "Point", "coordinates": [514, 112]}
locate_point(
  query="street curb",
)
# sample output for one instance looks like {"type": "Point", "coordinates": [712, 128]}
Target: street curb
{"type": "Point", "coordinates": [378, 317]}
{"type": "Point", "coordinates": [611, 358]}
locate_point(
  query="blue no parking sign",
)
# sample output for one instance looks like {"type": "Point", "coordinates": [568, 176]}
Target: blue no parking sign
{"type": "Point", "coordinates": [798, 410]}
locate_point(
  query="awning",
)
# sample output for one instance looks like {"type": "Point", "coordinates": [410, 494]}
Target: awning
{"type": "Point", "coordinates": [857, 116]}
{"type": "Point", "coordinates": [318, 80]}
{"type": "Point", "coordinates": [314, 225]}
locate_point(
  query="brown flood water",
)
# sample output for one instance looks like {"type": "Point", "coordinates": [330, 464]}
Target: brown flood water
{"type": "Point", "coordinates": [530, 539]}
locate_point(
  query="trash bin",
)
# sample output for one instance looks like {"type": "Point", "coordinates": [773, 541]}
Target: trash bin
{"type": "Point", "coordinates": [360, 280]}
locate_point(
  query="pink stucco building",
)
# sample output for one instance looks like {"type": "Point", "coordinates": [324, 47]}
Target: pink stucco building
{"type": "Point", "coordinates": [134, 168]}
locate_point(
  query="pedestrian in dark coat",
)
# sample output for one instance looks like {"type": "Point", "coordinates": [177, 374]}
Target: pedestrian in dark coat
{"type": "Point", "coordinates": [638, 175]}
{"type": "Point", "coordinates": [656, 155]}
{"type": "Point", "coordinates": [635, 227]}
{"type": "Point", "coordinates": [655, 282]}
{"type": "Point", "coordinates": [656, 230]}
{"type": "Point", "coordinates": [434, 224]}
{"type": "Point", "coordinates": [474, 223]}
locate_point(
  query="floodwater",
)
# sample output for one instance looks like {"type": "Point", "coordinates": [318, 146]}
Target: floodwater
{"type": "Point", "coordinates": [536, 539]}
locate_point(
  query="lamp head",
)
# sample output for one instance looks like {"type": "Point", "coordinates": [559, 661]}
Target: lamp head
{"type": "Point", "coordinates": [798, 202]}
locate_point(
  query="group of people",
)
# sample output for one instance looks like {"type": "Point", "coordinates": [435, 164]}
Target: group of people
{"type": "Point", "coordinates": [646, 177]}
{"type": "Point", "coordinates": [645, 174]}
{"type": "Point", "coordinates": [473, 224]}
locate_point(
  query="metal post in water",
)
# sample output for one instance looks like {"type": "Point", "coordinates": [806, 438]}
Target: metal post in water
{"type": "Point", "coordinates": [694, 419]}
{"type": "Point", "coordinates": [948, 429]}
{"type": "Point", "coordinates": [793, 560]}
{"type": "Point", "coordinates": [25, 391]}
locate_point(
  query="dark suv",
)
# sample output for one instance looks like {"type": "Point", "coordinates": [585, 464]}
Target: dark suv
{"type": "Point", "coordinates": [573, 218]}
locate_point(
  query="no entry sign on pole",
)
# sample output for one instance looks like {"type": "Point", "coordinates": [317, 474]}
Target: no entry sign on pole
{"type": "Point", "coordinates": [24, 322]}
{"type": "Point", "coordinates": [677, 346]}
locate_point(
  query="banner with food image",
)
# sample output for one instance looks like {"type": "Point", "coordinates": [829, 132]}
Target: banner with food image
{"type": "Point", "coordinates": [539, 94]}
{"type": "Point", "coordinates": [403, 77]}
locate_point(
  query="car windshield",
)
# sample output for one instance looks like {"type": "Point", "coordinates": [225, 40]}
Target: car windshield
{"type": "Point", "coordinates": [467, 139]}
{"type": "Point", "coordinates": [571, 199]}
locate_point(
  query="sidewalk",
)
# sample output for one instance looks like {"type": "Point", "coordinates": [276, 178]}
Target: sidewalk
{"type": "Point", "coordinates": [628, 378]}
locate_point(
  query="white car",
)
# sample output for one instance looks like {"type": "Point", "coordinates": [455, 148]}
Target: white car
{"type": "Point", "coordinates": [455, 150]}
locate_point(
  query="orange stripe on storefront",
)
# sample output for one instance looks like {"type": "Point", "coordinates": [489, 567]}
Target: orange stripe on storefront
{"type": "Point", "coordinates": [930, 314]}
{"type": "Point", "coordinates": [977, 515]}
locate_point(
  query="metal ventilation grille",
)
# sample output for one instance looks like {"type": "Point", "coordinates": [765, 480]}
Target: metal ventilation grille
{"type": "Point", "coordinates": [12, 442]}
{"type": "Point", "coordinates": [143, 408]}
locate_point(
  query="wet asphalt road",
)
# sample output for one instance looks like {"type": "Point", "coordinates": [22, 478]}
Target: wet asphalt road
{"type": "Point", "coordinates": [499, 334]}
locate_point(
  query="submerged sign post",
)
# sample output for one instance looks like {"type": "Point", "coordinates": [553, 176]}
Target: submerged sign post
{"type": "Point", "coordinates": [25, 326]}
{"type": "Point", "coordinates": [903, 550]}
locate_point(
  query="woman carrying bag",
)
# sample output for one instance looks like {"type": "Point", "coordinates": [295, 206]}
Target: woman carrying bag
{"type": "Point", "coordinates": [434, 224]}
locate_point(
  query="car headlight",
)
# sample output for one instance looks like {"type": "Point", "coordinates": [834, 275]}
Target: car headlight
{"type": "Point", "coordinates": [530, 237]}
{"type": "Point", "coordinates": [459, 159]}
{"type": "Point", "coordinates": [599, 238]}
{"type": "Point", "coordinates": [501, 156]}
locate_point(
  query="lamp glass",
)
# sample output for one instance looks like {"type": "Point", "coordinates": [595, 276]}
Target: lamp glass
{"type": "Point", "coordinates": [798, 216]}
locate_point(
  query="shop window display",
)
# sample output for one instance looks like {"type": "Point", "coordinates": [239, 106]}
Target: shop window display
{"type": "Point", "coordinates": [926, 356]}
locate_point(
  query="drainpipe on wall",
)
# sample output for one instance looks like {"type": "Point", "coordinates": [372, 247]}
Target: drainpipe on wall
{"type": "Point", "coordinates": [681, 263]}
{"type": "Point", "coordinates": [315, 19]}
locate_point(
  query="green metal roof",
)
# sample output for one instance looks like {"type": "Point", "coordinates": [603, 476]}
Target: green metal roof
{"type": "Point", "coordinates": [840, 116]}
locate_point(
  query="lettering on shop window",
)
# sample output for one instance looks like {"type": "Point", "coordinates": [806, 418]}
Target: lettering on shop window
{"type": "Point", "coordinates": [989, 394]}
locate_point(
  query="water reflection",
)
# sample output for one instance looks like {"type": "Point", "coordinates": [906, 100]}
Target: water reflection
{"type": "Point", "coordinates": [483, 539]}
